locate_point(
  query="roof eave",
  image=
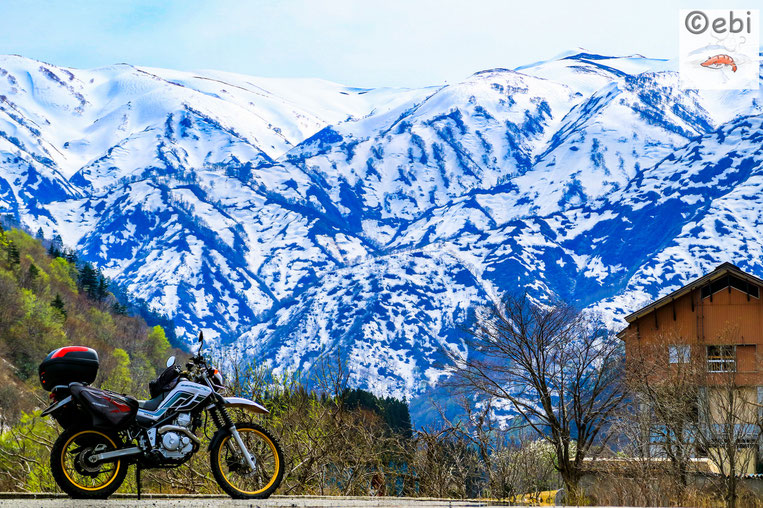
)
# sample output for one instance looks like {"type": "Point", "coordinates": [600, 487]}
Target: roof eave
{"type": "Point", "coordinates": [719, 272]}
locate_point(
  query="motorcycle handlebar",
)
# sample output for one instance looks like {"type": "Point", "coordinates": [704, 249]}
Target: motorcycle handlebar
{"type": "Point", "coordinates": [199, 371]}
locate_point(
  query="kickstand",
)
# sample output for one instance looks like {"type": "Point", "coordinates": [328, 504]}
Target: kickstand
{"type": "Point", "coordinates": [137, 478]}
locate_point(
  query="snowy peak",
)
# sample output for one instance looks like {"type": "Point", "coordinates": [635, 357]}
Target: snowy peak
{"type": "Point", "coordinates": [88, 111]}
{"type": "Point", "coordinates": [294, 218]}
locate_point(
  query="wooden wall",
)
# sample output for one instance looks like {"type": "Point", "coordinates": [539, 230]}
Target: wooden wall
{"type": "Point", "coordinates": [730, 318]}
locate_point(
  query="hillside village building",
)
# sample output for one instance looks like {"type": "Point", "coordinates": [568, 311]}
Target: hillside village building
{"type": "Point", "coordinates": [717, 322]}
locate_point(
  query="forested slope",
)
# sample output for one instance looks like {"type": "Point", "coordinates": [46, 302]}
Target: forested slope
{"type": "Point", "coordinates": [47, 300]}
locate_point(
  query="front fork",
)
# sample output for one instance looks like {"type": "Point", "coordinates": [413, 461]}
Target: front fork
{"type": "Point", "coordinates": [223, 420]}
{"type": "Point", "coordinates": [242, 447]}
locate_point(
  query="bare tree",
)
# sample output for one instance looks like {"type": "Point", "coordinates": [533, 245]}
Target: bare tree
{"type": "Point", "coordinates": [560, 371]}
{"type": "Point", "coordinates": [728, 424]}
{"type": "Point", "coordinates": [512, 463]}
{"type": "Point", "coordinates": [445, 463]}
{"type": "Point", "coordinates": [642, 473]}
{"type": "Point", "coordinates": [663, 404]}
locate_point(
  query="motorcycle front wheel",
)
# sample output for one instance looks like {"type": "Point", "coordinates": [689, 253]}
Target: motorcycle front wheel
{"type": "Point", "coordinates": [232, 472]}
{"type": "Point", "coordinates": [75, 474]}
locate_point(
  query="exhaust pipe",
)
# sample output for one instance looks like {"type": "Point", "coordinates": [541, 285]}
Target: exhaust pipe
{"type": "Point", "coordinates": [182, 430]}
{"type": "Point", "coordinates": [128, 452]}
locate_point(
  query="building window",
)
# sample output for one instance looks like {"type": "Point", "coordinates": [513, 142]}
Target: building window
{"type": "Point", "coordinates": [720, 359]}
{"type": "Point", "coordinates": [679, 353]}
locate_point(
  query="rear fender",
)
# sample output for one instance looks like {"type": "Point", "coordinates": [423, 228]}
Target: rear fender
{"type": "Point", "coordinates": [56, 406]}
{"type": "Point", "coordinates": [66, 412]}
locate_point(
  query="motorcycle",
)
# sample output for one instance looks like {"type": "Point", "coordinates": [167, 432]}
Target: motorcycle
{"type": "Point", "coordinates": [104, 432]}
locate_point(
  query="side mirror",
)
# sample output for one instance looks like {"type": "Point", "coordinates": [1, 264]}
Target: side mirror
{"type": "Point", "coordinates": [200, 343]}
{"type": "Point", "coordinates": [170, 361]}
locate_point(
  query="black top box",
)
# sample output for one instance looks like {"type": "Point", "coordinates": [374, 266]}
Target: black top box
{"type": "Point", "coordinates": [68, 365]}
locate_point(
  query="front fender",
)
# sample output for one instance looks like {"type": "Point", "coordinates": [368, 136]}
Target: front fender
{"type": "Point", "coordinates": [246, 404]}
{"type": "Point", "coordinates": [236, 402]}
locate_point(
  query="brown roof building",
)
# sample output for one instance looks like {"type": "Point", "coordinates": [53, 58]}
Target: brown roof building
{"type": "Point", "coordinates": [699, 316]}
{"type": "Point", "coordinates": [714, 322]}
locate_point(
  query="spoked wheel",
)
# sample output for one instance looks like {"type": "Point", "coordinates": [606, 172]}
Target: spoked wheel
{"type": "Point", "coordinates": [232, 472]}
{"type": "Point", "coordinates": [76, 474]}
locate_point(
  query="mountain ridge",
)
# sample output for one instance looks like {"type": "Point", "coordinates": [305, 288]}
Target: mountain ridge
{"type": "Point", "coordinates": [289, 222]}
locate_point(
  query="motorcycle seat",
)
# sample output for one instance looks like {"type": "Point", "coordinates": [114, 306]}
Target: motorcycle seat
{"type": "Point", "coordinates": [151, 404]}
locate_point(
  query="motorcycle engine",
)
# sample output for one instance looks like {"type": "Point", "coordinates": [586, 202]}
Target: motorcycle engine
{"type": "Point", "coordinates": [176, 445]}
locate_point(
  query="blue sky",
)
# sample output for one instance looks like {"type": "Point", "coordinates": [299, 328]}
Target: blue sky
{"type": "Point", "coordinates": [356, 42]}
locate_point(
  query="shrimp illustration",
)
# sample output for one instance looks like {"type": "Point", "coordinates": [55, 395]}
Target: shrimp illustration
{"type": "Point", "coordinates": [719, 61]}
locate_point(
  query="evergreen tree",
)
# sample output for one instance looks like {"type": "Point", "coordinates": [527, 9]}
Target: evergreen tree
{"type": "Point", "coordinates": [88, 280]}
{"type": "Point", "coordinates": [102, 289]}
{"type": "Point", "coordinates": [119, 309]}
{"type": "Point", "coordinates": [58, 303]}
{"type": "Point", "coordinates": [40, 235]}
{"type": "Point", "coordinates": [13, 254]}
{"type": "Point", "coordinates": [398, 417]}
{"type": "Point", "coordinates": [33, 271]}
{"type": "Point", "coordinates": [395, 412]}
{"type": "Point", "coordinates": [53, 252]}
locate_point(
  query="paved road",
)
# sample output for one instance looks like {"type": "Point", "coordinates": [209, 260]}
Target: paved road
{"type": "Point", "coordinates": [224, 502]}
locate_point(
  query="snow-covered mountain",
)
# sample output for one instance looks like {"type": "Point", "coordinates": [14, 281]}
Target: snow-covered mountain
{"type": "Point", "coordinates": [294, 218]}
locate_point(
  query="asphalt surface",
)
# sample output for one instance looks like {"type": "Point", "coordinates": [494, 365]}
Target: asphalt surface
{"type": "Point", "coordinates": [225, 502]}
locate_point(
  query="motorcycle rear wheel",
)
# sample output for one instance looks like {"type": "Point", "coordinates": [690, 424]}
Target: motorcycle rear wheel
{"type": "Point", "coordinates": [75, 475]}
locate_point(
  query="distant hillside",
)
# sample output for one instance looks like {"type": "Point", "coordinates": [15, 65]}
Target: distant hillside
{"type": "Point", "coordinates": [49, 299]}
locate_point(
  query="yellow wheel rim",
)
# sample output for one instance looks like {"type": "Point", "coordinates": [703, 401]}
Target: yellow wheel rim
{"type": "Point", "coordinates": [95, 480]}
{"type": "Point", "coordinates": [233, 466]}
